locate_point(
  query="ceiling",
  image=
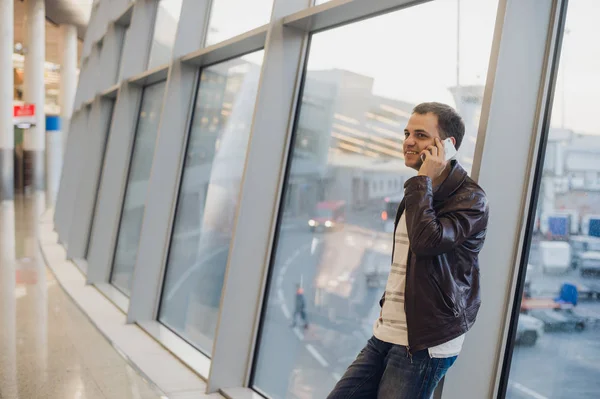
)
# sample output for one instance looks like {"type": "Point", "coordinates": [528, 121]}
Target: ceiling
{"type": "Point", "coordinates": [75, 12]}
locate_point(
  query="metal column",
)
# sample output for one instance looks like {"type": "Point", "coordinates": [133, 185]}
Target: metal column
{"type": "Point", "coordinates": [35, 93]}
{"type": "Point", "coordinates": [6, 100]}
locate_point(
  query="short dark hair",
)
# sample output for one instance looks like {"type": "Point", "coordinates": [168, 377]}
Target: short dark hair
{"type": "Point", "coordinates": [450, 124]}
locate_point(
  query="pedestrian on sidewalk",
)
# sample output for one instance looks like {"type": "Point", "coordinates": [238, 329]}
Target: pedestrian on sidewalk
{"type": "Point", "coordinates": [299, 308]}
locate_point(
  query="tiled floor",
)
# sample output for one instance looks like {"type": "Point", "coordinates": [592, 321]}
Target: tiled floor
{"type": "Point", "coordinates": [48, 347]}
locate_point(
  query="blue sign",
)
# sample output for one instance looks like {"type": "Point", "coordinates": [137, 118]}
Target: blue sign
{"type": "Point", "coordinates": [594, 229]}
{"type": "Point", "coordinates": [52, 123]}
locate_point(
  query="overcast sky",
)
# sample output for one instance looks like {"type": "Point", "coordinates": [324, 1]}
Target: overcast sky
{"type": "Point", "coordinates": [411, 53]}
{"type": "Point", "coordinates": [580, 69]}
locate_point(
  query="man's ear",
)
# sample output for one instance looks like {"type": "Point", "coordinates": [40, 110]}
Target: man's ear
{"type": "Point", "coordinates": [453, 141]}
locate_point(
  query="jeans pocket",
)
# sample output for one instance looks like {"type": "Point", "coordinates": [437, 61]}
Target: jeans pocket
{"type": "Point", "coordinates": [443, 366]}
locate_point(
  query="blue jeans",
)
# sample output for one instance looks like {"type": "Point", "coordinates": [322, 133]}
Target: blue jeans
{"type": "Point", "coordinates": [386, 371]}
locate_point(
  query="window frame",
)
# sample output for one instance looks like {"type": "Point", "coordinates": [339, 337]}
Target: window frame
{"type": "Point", "coordinates": [545, 116]}
{"type": "Point", "coordinates": [127, 182]}
{"type": "Point", "coordinates": [292, 24]}
{"type": "Point", "coordinates": [178, 194]}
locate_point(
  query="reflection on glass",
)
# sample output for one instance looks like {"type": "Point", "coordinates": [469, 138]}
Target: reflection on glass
{"type": "Point", "coordinates": [558, 329]}
{"type": "Point", "coordinates": [121, 33]}
{"type": "Point", "coordinates": [137, 184]}
{"type": "Point", "coordinates": [165, 29]}
{"type": "Point", "coordinates": [91, 229]}
{"type": "Point", "coordinates": [208, 198]}
{"type": "Point", "coordinates": [346, 181]}
{"type": "Point", "coordinates": [229, 18]}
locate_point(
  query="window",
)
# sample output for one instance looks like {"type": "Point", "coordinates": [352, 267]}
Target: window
{"type": "Point", "coordinates": [556, 349]}
{"type": "Point", "coordinates": [165, 30]}
{"type": "Point", "coordinates": [229, 18]}
{"type": "Point", "coordinates": [137, 184]}
{"type": "Point", "coordinates": [208, 196]}
{"type": "Point", "coordinates": [367, 76]}
{"type": "Point", "coordinates": [109, 115]}
{"type": "Point", "coordinates": [121, 33]}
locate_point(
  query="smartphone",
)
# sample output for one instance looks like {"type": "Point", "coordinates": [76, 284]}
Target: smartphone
{"type": "Point", "coordinates": [449, 149]}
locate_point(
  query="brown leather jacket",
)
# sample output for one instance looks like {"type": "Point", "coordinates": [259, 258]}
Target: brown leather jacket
{"type": "Point", "coordinates": [446, 229]}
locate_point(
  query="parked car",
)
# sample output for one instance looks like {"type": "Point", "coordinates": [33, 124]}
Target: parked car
{"type": "Point", "coordinates": [589, 263]}
{"type": "Point", "coordinates": [589, 290]}
{"type": "Point", "coordinates": [581, 245]}
{"type": "Point", "coordinates": [559, 319]}
{"type": "Point", "coordinates": [529, 330]}
{"type": "Point", "coordinates": [377, 268]}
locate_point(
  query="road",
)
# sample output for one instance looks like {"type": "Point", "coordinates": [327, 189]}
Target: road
{"type": "Point", "coordinates": [331, 266]}
{"type": "Point", "coordinates": [341, 308]}
{"type": "Point", "coordinates": [561, 365]}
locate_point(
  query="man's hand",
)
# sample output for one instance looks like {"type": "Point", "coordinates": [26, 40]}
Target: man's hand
{"type": "Point", "coordinates": [434, 161]}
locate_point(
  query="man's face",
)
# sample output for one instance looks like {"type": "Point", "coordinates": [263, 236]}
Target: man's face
{"type": "Point", "coordinates": [420, 132]}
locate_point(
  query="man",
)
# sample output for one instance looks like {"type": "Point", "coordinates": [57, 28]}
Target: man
{"type": "Point", "coordinates": [300, 308]}
{"type": "Point", "coordinates": [432, 294]}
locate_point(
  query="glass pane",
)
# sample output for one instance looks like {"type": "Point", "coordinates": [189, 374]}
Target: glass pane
{"type": "Point", "coordinates": [558, 330]}
{"type": "Point", "coordinates": [208, 196]}
{"type": "Point", "coordinates": [346, 180]}
{"type": "Point", "coordinates": [229, 18]}
{"type": "Point", "coordinates": [165, 29]}
{"type": "Point", "coordinates": [137, 184]}
{"type": "Point", "coordinates": [121, 33]}
{"type": "Point", "coordinates": [106, 133]}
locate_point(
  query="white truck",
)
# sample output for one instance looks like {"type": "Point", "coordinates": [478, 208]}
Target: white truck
{"type": "Point", "coordinates": [555, 256]}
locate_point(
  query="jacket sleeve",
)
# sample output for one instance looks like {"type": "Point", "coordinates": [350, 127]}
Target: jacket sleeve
{"type": "Point", "coordinates": [432, 234]}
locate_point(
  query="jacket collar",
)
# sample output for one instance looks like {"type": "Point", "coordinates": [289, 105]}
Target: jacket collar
{"type": "Point", "coordinates": [452, 183]}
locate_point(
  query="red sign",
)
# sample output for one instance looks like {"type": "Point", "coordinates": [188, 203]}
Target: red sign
{"type": "Point", "coordinates": [24, 115]}
{"type": "Point", "coordinates": [24, 110]}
